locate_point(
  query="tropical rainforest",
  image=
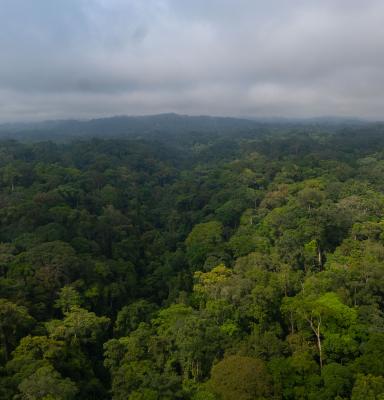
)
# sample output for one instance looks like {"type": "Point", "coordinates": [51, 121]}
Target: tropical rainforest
{"type": "Point", "coordinates": [242, 265]}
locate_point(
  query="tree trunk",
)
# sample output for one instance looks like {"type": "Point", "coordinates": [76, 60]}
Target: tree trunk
{"type": "Point", "coordinates": [316, 331]}
{"type": "Point", "coordinates": [319, 346]}
{"type": "Point", "coordinates": [320, 258]}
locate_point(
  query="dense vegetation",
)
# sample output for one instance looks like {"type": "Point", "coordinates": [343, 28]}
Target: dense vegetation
{"type": "Point", "coordinates": [206, 267]}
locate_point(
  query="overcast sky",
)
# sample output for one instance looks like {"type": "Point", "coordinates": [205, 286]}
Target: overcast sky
{"type": "Point", "coordinates": [292, 58]}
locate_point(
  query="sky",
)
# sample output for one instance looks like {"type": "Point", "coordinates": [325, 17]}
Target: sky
{"type": "Point", "coordinates": [252, 58]}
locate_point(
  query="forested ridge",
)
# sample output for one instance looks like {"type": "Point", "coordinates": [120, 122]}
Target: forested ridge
{"type": "Point", "coordinates": [199, 267]}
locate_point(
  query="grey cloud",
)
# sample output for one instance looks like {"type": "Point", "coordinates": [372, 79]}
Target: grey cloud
{"type": "Point", "coordinates": [87, 58]}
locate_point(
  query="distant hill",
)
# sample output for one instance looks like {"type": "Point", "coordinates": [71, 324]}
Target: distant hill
{"type": "Point", "coordinates": [160, 126]}
{"type": "Point", "coordinates": [132, 126]}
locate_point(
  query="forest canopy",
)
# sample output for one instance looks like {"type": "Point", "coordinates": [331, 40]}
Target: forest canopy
{"type": "Point", "coordinates": [247, 265]}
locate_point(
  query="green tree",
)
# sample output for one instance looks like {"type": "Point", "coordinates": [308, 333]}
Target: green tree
{"type": "Point", "coordinates": [326, 317]}
{"type": "Point", "coordinates": [79, 327]}
{"type": "Point", "coordinates": [242, 378]}
{"type": "Point", "coordinates": [69, 297]}
{"type": "Point", "coordinates": [204, 240]}
{"type": "Point", "coordinates": [47, 384]}
{"type": "Point", "coordinates": [129, 317]}
{"type": "Point", "coordinates": [368, 387]}
{"type": "Point", "coordinates": [14, 323]}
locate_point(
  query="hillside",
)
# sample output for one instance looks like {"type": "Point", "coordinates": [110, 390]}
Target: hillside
{"type": "Point", "coordinates": [166, 126]}
{"type": "Point", "coordinates": [128, 126]}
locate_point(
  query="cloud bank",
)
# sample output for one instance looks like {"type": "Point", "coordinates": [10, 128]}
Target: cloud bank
{"type": "Point", "coordinates": [290, 58]}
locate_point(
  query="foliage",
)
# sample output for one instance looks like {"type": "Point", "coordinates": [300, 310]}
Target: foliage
{"type": "Point", "coordinates": [236, 265]}
{"type": "Point", "coordinates": [239, 377]}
